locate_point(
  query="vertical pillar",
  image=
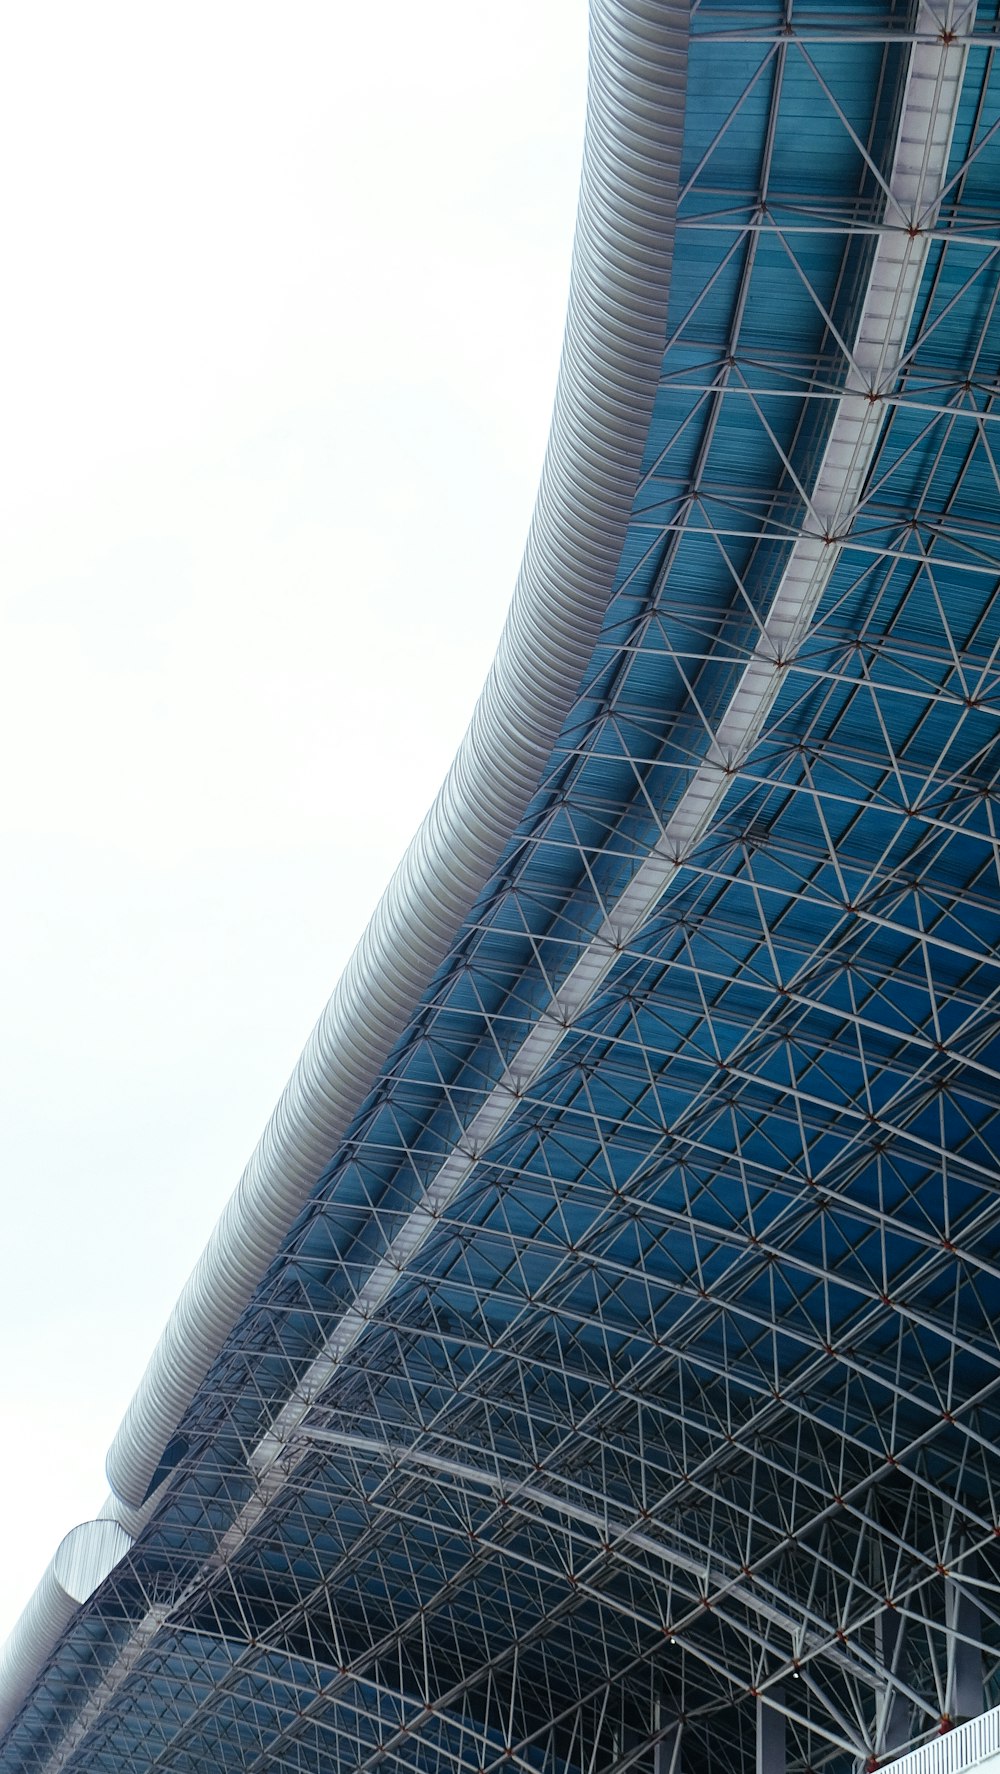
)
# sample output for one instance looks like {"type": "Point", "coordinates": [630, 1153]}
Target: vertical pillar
{"type": "Point", "coordinates": [667, 1753]}
{"type": "Point", "coordinates": [965, 1657]}
{"type": "Point", "coordinates": [770, 1733]}
{"type": "Point", "coordinates": [895, 1717]}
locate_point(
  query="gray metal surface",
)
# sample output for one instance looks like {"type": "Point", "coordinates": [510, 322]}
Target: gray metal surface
{"type": "Point", "coordinates": [82, 1561]}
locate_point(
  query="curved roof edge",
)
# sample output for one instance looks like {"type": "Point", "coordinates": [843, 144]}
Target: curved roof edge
{"type": "Point", "coordinates": [81, 1563]}
{"type": "Point", "coordinates": [612, 353]}
{"type": "Point", "coordinates": [608, 375]}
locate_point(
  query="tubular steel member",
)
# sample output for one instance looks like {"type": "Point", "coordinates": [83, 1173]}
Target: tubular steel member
{"type": "Point", "coordinates": [612, 352]}
{"type": "Point", "coordinates": [81, 1563]}
{"type": "Point", "coordinates": [611, 358]}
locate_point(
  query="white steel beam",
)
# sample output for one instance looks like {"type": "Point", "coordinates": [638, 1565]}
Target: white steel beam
{"type": "Point", "coordinates": [885, 315]}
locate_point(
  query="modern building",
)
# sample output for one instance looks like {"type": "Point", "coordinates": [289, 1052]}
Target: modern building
{"type": "Point", "coordinates": [598, 1366]}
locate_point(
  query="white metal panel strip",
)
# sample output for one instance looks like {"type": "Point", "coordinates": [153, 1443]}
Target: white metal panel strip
{"type": "Point", "coordinates": [919, 169]}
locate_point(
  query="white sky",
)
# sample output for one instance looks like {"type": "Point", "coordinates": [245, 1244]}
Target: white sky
{"type": "Point", "coordinates": [282, 302]}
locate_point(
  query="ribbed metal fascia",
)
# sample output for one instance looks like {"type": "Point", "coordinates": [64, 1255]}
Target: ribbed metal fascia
{"type": "Point", "coordinates": [82, 1561]}
{"type": "Point", "coordinates": [611, 360]}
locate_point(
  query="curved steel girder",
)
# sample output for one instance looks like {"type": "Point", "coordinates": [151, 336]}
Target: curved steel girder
{"type": "Point", "coordinates": [835, 1736]}
{"type": "Point", "coordinates": [683, 1625]}
{"type": "Point", "coordinates": [929, 100]}
{"type": "Point", "coordinates": [616, 319]}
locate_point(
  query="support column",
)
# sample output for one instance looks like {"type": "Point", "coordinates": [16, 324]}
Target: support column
{"type": "Point", "coordinates": [894, 1722]}
{"type": "Point", "coordinates": [965, 1657]}
{"type": "Point", "coordinates": [770, 1733]}
{"type": "Point", "coordinates": [667, 1753]}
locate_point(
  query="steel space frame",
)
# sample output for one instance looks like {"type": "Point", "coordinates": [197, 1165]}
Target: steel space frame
{"type": "Point", "coordinates": [629, 1394]}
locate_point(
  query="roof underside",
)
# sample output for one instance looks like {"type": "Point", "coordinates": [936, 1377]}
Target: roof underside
{"type": "Point", "coordinates": [676, 1230]}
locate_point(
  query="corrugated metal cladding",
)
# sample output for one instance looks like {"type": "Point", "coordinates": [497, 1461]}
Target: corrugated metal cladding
{"type": "Point", "coordinates": [628, 1393]}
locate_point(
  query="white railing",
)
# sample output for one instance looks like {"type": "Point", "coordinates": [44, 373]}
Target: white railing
{"type": "Point", "coordinates": [955, 1751]}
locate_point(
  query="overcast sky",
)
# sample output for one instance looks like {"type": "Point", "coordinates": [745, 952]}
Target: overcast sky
{"type": "Point", "coordinates": [280, 318]}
